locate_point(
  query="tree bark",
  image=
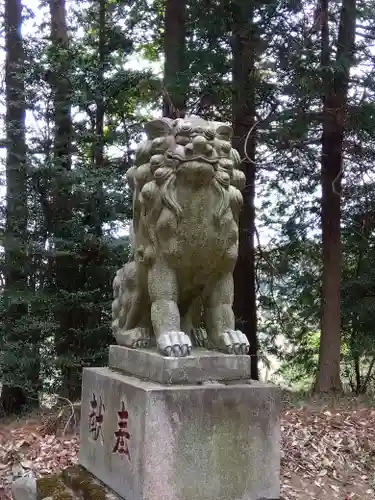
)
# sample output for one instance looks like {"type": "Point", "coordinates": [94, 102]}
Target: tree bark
{"type": "Point", "coordinates": [95, 252]}
{"type": "Point", "coordinates": [99, 119]}
{"type": "Point", "coordinates": [13, 398]}
{"type": "Point", "coordinates": [244, 41]}
{"type": "Point", "coordinates": [175, 77]}
{"type": "Point", "coordinates": [61, 194]}
{"type": "Point", "coordinates": [335, 97]}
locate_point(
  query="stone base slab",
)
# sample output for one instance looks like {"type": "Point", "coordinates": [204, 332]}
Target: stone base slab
{"type": "Point", "coordinates": [73, 483]}
{"type": "Point", "coordinates": [181, 442]}
{"type": "Point", "coordinates": [201, 366]}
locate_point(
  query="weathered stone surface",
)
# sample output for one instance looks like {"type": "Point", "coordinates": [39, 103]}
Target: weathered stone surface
{"type": "Point", "coordinates": [201, 366]}
{"type": "Point", "coordinates": [53, 487]}
{"type": "Point", "coordinates": [183, 442]}
{"type": "Point", "coordinates": [187, 197]}
{"type": "Point", "coordinates": [74, 483]}
{"type": "Point", "coordinates": [24, 488]}
{"type": "Point", "coordinates": [85, 486]}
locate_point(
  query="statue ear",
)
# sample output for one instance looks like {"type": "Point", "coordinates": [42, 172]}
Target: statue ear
{"type": "Point", "coordinates": [225, 132]}
{"type": "Point", "coordinates": [158, 128]}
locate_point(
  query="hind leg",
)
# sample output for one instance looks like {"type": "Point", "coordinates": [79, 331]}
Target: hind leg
{"type": "Point", "coordinates": [131, 326]}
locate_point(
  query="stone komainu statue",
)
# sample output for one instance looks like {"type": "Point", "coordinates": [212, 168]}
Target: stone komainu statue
{"type": "Point", "coordinates": [186, 201]}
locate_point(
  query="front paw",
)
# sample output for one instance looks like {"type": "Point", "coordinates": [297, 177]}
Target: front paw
{"type": "Point", "coordinates": [174, 344]}
{"type": "Point", "coordinates": [234, 342]}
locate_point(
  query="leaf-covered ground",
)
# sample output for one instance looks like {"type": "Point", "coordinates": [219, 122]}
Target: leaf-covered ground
{"type": "Point", "coordinates": [328, 451]}
{"type": "Point", "coordinates": [328, 454]}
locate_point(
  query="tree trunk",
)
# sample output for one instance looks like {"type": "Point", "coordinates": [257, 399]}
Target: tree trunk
{"type": "Point", "coordinates": [94, 253]}
{"type": "Point", "coordinates": [175, 78]}
{"type": "Point", "coordinates": [99, 119]}
{"type": "Point", "coordinates": [335, 94]}
{"type": "Point", "coordinates": [243, 110]}
{"type": "Point", "coordinates": [14, 397]}
{"type": "Point", "coordinates": [61, 193]}
{"type": "Point", "coordinates": [61, 88]}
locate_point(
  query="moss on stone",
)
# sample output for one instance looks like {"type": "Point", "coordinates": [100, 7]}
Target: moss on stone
{"type": "Point", "coordinates": [53, 487]}
{"type": "Point", "coordinates": [72, 482]}
{"type": "Point", "coordinates": [82, 482]}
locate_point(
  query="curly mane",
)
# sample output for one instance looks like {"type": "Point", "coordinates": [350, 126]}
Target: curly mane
{"type": "Point", "coordinates": [153, 177]}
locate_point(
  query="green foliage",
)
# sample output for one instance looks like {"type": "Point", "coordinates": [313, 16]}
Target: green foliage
{"type": "Point", "coordinates": [68, 318]}
{"type": "Point", "coordinates": [66, 327]}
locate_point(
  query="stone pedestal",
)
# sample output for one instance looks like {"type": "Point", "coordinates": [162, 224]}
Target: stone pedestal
{"type": "Point", "coordinates": [202, 366]}
{"type": "Point", "coordinates": [205, 440]}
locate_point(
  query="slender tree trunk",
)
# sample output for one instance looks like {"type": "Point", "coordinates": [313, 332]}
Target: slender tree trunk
{"type": "Point", "coordinates": [243, 109]}
{"type": "Point", "coordinates": [335, 90]}
{"type": "Point", "coordinates": [99, 118]}
{"type": "Point", "coordinates": [13, 398]}
{"type": "Point", "coordinates": [61, 193]}
{"type": "Point", "coordinates": [94, 217]}
{"type": "Point", "coordinates": [94, 252]}
{"type": "Point", "coordinates": [175, 77]}
{"type": "Point", "coordinates": [355, 317]}
{"type": "Point", "coordinates": [61, 88]}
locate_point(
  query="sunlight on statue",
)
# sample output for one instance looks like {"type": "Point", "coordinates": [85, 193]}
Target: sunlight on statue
{"type": "Point", "coordinates": [186, 201]}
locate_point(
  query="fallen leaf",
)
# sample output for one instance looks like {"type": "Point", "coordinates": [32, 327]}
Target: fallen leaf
{"type": "Point", "coordinates": [27, 464]}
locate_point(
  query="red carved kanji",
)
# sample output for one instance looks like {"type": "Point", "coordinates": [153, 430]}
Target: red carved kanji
{"type": "Point", "coordinates": [122, 435]}
{"type": "Point", "coordinates": [96, 418]}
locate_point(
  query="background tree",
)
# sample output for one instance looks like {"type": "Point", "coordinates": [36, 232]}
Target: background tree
{"type": "Point", "coordinates": [175, 74]}
{"type": "Point", "coordinates": [60, 205]}
{"type": "Point", "coordinates": [245, 41]}
{"type": "Point", "coordinates": [91, 75]}
{"type": "Point", "coordinates": [335, 85]}
{"type": "Point", "coordinates": [20, 382]}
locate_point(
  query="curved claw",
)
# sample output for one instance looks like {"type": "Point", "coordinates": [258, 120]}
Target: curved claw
{"type": "Point", "coordinates": [177, 350]}
{"type": "Point", "coordinates": [175, 344]}
{"type": "Point", "coordinates": [168, 351]}
{"type": "Point", "coordinates": [245, 349]}
{"type": "Point", "coordinates": [237, 348]}
{"type": "Point", "coordinates": [234, 342]}
{"type": "Point", "coordinates": [140, 344]}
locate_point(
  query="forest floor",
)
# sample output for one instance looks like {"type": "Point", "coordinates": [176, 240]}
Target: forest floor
{"type": "Point", "coordinates": [328, 448]}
